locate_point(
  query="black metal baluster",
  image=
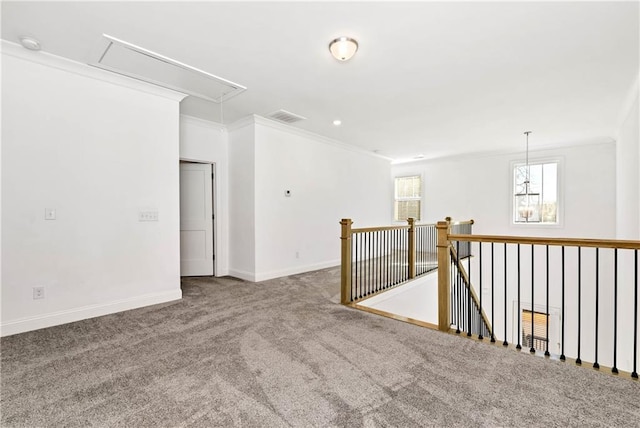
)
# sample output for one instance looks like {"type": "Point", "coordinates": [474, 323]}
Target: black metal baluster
{"type": "Point", "coordinates": [595, 364]}
{"type": "Point", "coordinates": [394, 255]}
{"type": "Point", "coordinates": [532, 349]}
{"type": "Point", "coordinates": [453, 294]}
{"type": "Point", "coordinates": [368, 244]}
{"type": "Point", "coordinates": [546, 352]}
{"type": "Point", "coordinates": [634, 373]}
{"type": "Point", "coordinates": [480, 336]}
{"type": "Point", "coordinates": [389, 257]}
{"type": "Point", "coordinates": [519, 331]}
{"type": "Point", "coordinates": [420, 255]}
{"type": "Point", "coordinates": [614, 369]}
{"type": "Point", "coordinates": [469, 295]}
{"type": "Point", "coordinates": [354, 273]}
{"type": "Point", "coordinates": [578, 360]}
{"type": "Point", "coordinates": [505, 343]}
{"type": "Point", "coordinates": [493, 324]}
{"type": "Point", "coordinates": [458, 275]}
{"type": "Point", "coordinates": [379, 260]}
{"type": "Point", "coordinates": [384, 261]}
{"type": "Point", "coordinates": [562, 357]}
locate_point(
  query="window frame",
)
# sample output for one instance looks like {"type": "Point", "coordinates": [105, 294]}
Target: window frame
{"type": "Point", "coordinates": [559, 161]}
{"type": "Point", "coordinates": [419, 198]}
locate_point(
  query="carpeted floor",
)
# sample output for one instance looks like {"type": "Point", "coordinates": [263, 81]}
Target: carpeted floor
{"type": "Point", "coordinates": [284, 353]}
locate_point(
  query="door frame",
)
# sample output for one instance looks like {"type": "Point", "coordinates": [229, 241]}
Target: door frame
{"type": "Point", "coordinates": [213, 207]}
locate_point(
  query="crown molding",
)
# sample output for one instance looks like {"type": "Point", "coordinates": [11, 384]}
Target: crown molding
{"type": "Point", "coordinates": [542, 150]}
{"type": "Point", "coordinates": [260, 120]}
{"type": "Point", "coordinates": [203, 123]}
{"type": "Point", "coordinates": [78, 68]}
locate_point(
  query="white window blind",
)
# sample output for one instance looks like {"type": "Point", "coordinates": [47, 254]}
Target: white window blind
{"type": "Point", "coordinates": [408, 195]}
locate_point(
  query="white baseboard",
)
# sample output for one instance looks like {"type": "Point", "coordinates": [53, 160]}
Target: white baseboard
{"type": "Point", "coordinates": [247, 276]}
{"type": "Point", "coordinates": [77, 314]}
{"type": "Point", "coordinates": [264, 276]}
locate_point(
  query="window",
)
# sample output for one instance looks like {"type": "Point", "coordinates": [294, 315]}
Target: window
{"type": "Point", "coordinates": [408, 195]}
{"type": "Point", "coordinates": [534, 329]}
{"type": "Point", "coordinates": [535, 193]}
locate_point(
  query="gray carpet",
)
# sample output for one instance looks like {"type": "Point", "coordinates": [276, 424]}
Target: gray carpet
{"type": "Point", "coordinates": [284, 353]}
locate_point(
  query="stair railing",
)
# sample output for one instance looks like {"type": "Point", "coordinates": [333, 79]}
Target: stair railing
{"type": "Point", "coordinates": [376, 259]}
{"type": "Point", "coordinates": [573, 298]}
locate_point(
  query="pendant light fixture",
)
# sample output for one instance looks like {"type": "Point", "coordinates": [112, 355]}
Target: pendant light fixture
{"type": "Point", "coordinates": [527, 202]}
{"type": "Point", "coordinates": [343, 48]}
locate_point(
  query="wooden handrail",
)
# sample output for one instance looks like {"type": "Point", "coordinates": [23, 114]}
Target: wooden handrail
{"type": "Point", "coordinates": [567, 242]}
{"type": "Point", "coordinates": [376, 229]}
{"type": "Point", "coordinates": [457, 223]}
{"type": "Point", "coordinates": [381, 228]}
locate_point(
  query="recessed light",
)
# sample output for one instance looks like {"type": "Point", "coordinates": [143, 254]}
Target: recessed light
{"type": "Point", "coordinates": [30, 43]}
{"type": "Point", "coordinates": [337, 122]}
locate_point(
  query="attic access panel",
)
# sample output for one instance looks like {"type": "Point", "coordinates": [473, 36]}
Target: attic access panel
{"type": "Point", "coordinates": [133, 61]}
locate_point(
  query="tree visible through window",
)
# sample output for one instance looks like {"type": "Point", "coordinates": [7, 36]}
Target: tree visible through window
{"type": "Point", "coordinates": [408, 194]}
{"type": "Point", "coordinates": [535, 193]}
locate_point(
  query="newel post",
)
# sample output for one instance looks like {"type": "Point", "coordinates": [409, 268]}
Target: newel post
{"type": "Point", "coordinates": [444, 266]}
{"type": "Point", "coordinates": [411, 242]}
{"type": "Point", "coordinates": [345, 275]}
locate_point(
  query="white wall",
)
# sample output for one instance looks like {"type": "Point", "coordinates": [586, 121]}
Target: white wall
{"type": "Point", "coordinates": [417, 299]}
{"type": "Point", "coordinates": [628, 205]}
{"type": "Point", "coordinates": [628, 172]}
{"type": "Point", "coordinates": [242, 239]}
{"type": "Point", "coordinates": [328, 181]}
{"type": "Point", "coordinates": [207, 142]}
{"type": "Point", "coordinates": [479, 187]}
{"type": "Point", "coordinates": [97, 148]}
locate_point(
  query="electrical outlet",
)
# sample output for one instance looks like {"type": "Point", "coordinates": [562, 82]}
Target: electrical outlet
{"type": "Point", "coordinates": [49, 214]}
{"type": "Point", "coordinates": [38, 293]}
{"type": "Point", "coordinates": [148, 215]}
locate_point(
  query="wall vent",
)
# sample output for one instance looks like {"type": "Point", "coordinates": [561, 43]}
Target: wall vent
{"type": "Point", "coordinates": [285, 116]}
{"type": "Point", "coordinates": [133, 61]}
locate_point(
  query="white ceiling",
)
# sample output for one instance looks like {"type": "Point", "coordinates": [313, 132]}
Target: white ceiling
{"type": "Point", "coordinates": [431, 78]}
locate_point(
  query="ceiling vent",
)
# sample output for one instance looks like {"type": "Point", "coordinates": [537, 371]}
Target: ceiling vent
{"type": "Point", "coordinates": [285, 116]}
{"type": "Point", "coordinates": [133, 61]}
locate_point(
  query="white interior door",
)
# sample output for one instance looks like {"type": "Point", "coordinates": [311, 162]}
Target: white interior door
{"type": "Point", "coordinates": [196, 220]}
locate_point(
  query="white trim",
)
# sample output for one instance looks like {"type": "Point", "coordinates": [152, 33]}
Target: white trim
{"type": "Point", "coordinates": [203, 122]}
{"type": "Point", "coordinates": [421, 198]}
{"type": "Point", "coordinates": [74, 67]}
{"type": "Point", "coordinates": [108, 41]}
{"type": "Point", "coordinates": [260, 120]}
{"type": "Point", "coordinates": [247, 276]}
{"type": "Point", "coordinates": [77, 314]}
{"type": "Point", "coordinates": [560, 161]}
{"type": "Point", "coordinates": [264, 276]}
{"type": "Point", "coordinates": [507, 152]}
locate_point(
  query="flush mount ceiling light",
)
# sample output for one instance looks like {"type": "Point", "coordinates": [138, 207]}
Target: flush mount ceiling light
{"type": "Point", "coordinates": [343, 48]}
{"type": "Point", "coordinates": [337, 122]}
{"type": "Point", "coordinates": [29, 43]}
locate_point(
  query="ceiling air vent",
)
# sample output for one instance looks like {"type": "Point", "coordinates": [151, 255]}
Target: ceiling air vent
{"type": "Point", "coordinates": [130, 60]}
{"type": "Point", "coordinates": [285, 116]}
